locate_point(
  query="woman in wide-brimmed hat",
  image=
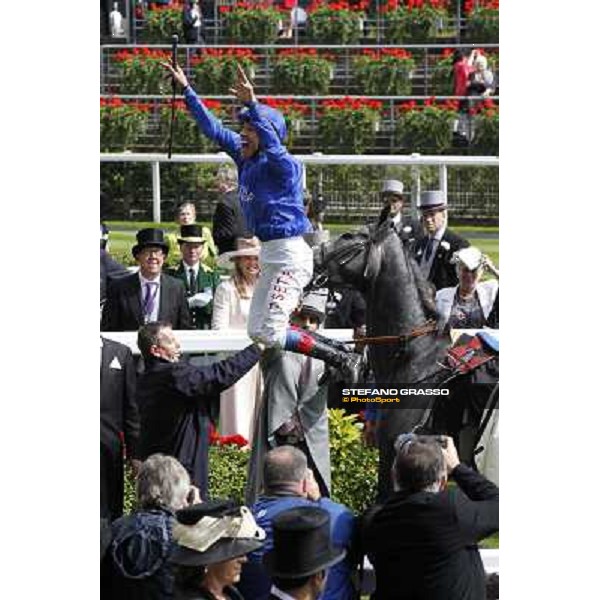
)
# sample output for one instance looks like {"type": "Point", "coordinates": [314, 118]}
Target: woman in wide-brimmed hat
{"type": "Point", "coordinates": [469, 304]}
{"type": "Point", "coordinates": [231, 307]}
{"type": "Point", "coordinates": [213, 539]}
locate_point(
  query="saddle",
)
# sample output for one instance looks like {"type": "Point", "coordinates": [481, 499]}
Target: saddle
{"type": "Point", "coordinates": [469, 353]}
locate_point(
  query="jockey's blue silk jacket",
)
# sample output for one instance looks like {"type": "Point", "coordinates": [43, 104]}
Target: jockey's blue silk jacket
{"type": "Point", "coordinates": [270, 183]}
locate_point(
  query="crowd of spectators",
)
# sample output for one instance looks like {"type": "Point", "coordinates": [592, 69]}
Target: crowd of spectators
{"type": "Point", "coordinates": [162, 412]}
{"type": "Point", "coordinates": [291, 540]}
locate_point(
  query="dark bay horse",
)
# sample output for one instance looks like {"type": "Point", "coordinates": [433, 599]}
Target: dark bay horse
{"type": "Point", "coordinates": [399, 301]}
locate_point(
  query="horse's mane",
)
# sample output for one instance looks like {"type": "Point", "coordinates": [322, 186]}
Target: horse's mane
{"type": "Point", "coordinates": [425, 289]}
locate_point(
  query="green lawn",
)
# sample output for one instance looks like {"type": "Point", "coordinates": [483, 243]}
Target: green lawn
{"type": "Point", "coordinates": [122, 236]}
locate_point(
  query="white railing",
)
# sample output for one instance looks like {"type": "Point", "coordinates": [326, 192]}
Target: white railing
{"type": "Point", "coordinates": [223, 340]}
{"type": "Point", "coordinates": [413, 160]}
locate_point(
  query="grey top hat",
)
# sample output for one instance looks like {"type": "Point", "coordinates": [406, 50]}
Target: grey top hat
{"type": "Point", "coordinates": [433, 200]}
{"type": "Point", "coordinates": [314, 303]}
{"type": "Point", "coordinates": [392, 186]}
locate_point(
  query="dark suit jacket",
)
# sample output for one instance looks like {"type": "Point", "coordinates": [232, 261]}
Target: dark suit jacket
{"type": "Point", "coordinates": [443, 273]}
{"type": "Point", "coordinates": [109, 269]}
{"type": "Point", "coordinates": [229, 222]}
{"type": "Point", "coordinates": [123, 308]}
{"type": "Point", "coordinates": [175, 405]}
{"type": "Point", "coordinates": [424, 545]}
{"type": "Point", "coordinates": [118, 416]}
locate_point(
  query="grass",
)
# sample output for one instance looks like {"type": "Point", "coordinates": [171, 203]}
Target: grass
{"type": "Point", "coordinates": [122, 236]}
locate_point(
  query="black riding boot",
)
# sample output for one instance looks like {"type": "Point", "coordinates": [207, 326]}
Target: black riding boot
{"type": "Point", "coordinates": [349, 364]}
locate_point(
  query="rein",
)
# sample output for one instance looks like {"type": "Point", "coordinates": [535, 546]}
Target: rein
{"type": "Point", "coordinates": [420, 330]}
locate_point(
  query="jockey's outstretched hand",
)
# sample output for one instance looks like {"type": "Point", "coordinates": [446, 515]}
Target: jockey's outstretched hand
{"type": "Point", "coordinates": [243, 89]}
{"type": "Point", "coordinates": [177, 73]}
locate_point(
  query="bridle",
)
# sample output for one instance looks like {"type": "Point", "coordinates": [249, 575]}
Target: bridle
{"type": "Point", "coordinates": [342, 256]}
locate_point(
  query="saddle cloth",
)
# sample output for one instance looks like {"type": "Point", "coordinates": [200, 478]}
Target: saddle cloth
{"type": "Point", "coordinates": [468, 353]}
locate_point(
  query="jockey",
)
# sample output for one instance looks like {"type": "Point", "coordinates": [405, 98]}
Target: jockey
{"type": "Point", "coordinates": [270, 191]}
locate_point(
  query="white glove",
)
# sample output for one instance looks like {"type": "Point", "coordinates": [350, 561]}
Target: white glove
{"type": "Point", "coordinates": [201, 298]}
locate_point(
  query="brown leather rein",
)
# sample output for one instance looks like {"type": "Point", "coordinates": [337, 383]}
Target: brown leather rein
{"type": "Point", "coordinates": [420, 330]}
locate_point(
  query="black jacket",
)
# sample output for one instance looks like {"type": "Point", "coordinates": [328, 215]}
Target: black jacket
{"type": "Point", "coordinates": [423, 545]}
{"type": "Point", "coordinates": [123, 308]}
{"type": "Point", "coordinates": [176, 401]}
{"type": "Point", "coordinates": [109, 269]}
{"type": "Point", "coordinates": [118, 414]}
{"type": "Point", "coordinates": [443, 272]}
{"type": "Point", "coordinates": [228, 222]}
{"type": "Point", "coordinates": [137, 563]}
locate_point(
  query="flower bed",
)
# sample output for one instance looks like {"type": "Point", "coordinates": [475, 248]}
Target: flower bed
{"type": "Point", "coordinates": [486, 128]}
{"type": "Point", "coordinates": [483, 23]}
{"type": "Point", "coordinates": [338, 22]}
{"type": "Point", "coordinates": [161, 23]}
{"type": "Point", "coordinates": [121, 123]}
{"type": "Point", "coordinates": [186, 134]}
{"type": "Point", "coordinates": [414, 21]}
{"type": "Point", "coordinates": [293, 113]}
{"type": "Point", "coordinates": [426, 127]}
{"type": "Point", "coordinates": [348, 125]}
{"type": "Point", "coordinates": [386, 72]}
{"type": "Point", "coordinates": [215, 69]}
{"type": "Point", "coordinates": [141, 71]}
{"type": "Point", "coordinates": [251, 23]}
{"type": "Point", "coordinates": [302, 71]}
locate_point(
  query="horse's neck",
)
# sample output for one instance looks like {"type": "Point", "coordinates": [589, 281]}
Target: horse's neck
{"type": "Point", "coordinates": [394, 301]}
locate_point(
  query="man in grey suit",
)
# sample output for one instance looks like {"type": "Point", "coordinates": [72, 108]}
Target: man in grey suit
{"type": "Point", "coordinates": [148, 295]}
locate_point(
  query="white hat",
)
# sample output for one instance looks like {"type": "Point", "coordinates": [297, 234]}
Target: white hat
{"type": "Point", "coordinates": [244, 247]}
{"type": "Point", "coordinates": [470, 257]}
{"type": "Point", "coordinates": [433, 200]}
{"type": "Point", "coordinates": [392, 186]}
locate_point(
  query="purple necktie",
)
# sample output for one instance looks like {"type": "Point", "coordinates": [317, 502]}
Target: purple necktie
{"type": "Point", "coordinates": [149, 299]}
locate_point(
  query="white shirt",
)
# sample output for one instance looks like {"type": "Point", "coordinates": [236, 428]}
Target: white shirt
{"type": "Point", "coordinates": [187, 268]}
{"type": "Point", "coordinates": [426, 264]}
{"type": "Point", "coordinates": [154, 314]}
{"type": "Point", "coordinates": [279, 594]}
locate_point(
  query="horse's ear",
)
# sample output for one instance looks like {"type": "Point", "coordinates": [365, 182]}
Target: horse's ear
{"type": "Point", "coordinates": [373, 261]}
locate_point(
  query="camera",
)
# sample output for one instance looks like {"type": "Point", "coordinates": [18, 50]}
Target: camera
{"type": "Point", "coordinates": [404, 440]}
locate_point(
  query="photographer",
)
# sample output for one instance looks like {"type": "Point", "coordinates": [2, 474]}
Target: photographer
{"type": "Point", "coordinates": [423, 540]}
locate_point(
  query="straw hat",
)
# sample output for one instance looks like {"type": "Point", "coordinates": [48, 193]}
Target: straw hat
{"type": "Point", "coordinates": [244, 247]}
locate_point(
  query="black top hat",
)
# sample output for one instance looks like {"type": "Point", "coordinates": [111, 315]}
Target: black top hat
{"type": "Point", "coordinates": [221, 546]}
{"type": "Point", "coordinates": [191, 233]}
{"type": "Point", "coordinates": [150, 237]}
{"type": "Point", "coordinates": [301, 543]}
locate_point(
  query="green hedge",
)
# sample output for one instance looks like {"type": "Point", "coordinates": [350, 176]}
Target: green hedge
{"type": "Point", "coordinates": [353, 467]}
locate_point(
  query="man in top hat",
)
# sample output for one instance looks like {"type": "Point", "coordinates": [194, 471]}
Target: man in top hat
{"type": "Point", "coordinates": [199, 279]}
{"type": "Point", "coordinates": [435, 250]}
{"type": "Point", "coordinates": [294, 407]}
{"type": "Point", "coordinates": [302, 553]}
{"type": "Point", "coordinates": [393, 197]}
{"type": "Point", "coordinates": [148, 295]}
{"type": "Point", "coordinates": [289, 483]}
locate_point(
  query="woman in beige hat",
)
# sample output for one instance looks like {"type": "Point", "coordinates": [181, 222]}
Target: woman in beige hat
{"type": "Point", "coordinates": [469, 304]}
{"type": "Point", "coordinates": [231, 306]}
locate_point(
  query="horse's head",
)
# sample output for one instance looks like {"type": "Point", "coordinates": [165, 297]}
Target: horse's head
{"type": "Point", "coordinates": [353, 259]}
